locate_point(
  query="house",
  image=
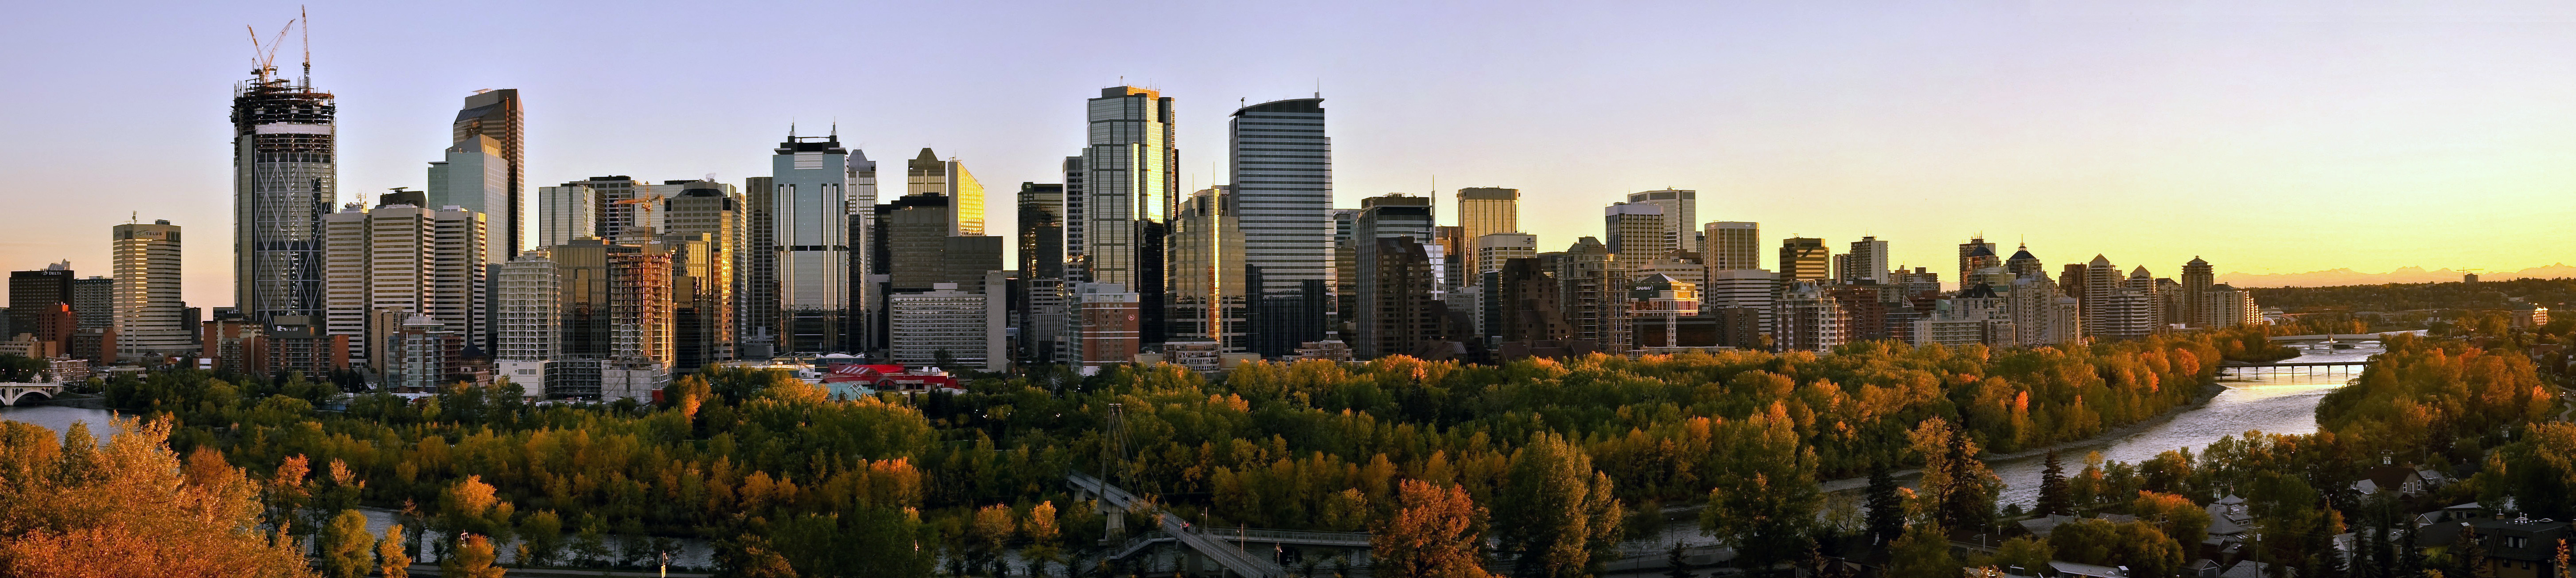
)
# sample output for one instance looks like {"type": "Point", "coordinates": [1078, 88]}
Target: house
{"type": "Point", "coordinates": [2517, 547]}
{"type": "Point", "coordinates": [2246, 569]}
{"type": "Point", "coordinates": [2071, 569]}
{"type": "Point", "coordinates": [2403, 481]}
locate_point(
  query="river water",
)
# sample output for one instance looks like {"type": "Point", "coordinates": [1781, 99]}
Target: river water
{"type": "Point", "coordinates": [102, 423]}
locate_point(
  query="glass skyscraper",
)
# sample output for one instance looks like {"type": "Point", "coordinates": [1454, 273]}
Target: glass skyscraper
{"type": "Point", "coordinates": [1282, 165]}
{"type": "Point", "coordinates": [1115, 235]}
{"type": "Point", "coordinates": [285, 178]}
{"type": "Point", "coordinates": [809, 181]}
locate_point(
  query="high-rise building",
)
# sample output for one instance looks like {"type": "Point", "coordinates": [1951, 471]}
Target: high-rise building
{"type": "Point", "coordinates": [2023, 264]}
{"type": "Point", "coordinates": [1526, 306]}
{"type": "Point", "coordinates": [1804, 259]}
{"type": "Point", "coordinates": [150, 319]}
{"type": "Point", "coordinates": [1806, 318]}
{"type": "Point", "coordinates": [810, 179]}
{"type": "Point", "coordinates": [1488, 210]}
{"type": "Point", "coordinates": [285, 178]}
{"type": "Point", "coordinates": [1208, 290]}
{"type": "Point", "coordinates": [927, 175]}
{"type": "Point", "coordinates": [1109, 323]}
{"type": "Point", "coordinates": [1745, 289]}
{"type": "Point", "coordinates": [911, 232]}
{"type": "Point", "coordinates": [1975, 316]}
{"type": "Point", "coordinates": [404, 259]}
{"type": "Point", "coordinates": [709, 313]}
{"type": "Point", "coordinates": [621, 202]}
{"type": "Point", "coordinates": [1732, 245]}
{"type": "Point", "coordinates": [942, 321]}
{"type": "Point", "coordinates": [1043, 309]}
{"type": "Point", "coordinates": [1594, 294]}
{"type": "Point", "coordinates": [1867, 262]}
{"type": "Point", "coordinates": [1638, 232]}
{"type": "Point", "coordinates": [1129, 189]}
{"type": "Point", "coordinates": [565, 213]}
{"type": "Point", "coordinates": [2197, 278]}
{"type": "Point", "coordinates": [864, 328]}
{"type": "Point", "coordinates": [496, 115]}
{"type": "Point", "coordinates": [1398, 308]}
{"type": "Point", "coordinates": [1975, 255]}
{"type": "Point", "coordinates": [2041, 314]}
{"type": "Point", "coordinates": [612, 313]}
{"type": "Point", "coordinates": [2101, 282]}
{"type": "Point", "coordinates": [33, 292]}
{"type": "Point", "coordinates": [94, 298]}
{"type": "Point", "coordinates": [528, 319]}
{"type": "Point", "coordinates": [1281, 162]}
{"type": "Point", "coordinates": [1681, 215]}
{"type": "Point", "coordinates": [1492, 250]}
{"type": "Point", "coordinates": [757, 332]}
{"type": "Point", "coordinates": [476, 177]}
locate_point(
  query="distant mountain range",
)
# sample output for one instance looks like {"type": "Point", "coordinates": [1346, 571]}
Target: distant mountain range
{"type": "Point", "coordinates": [2334, 277]}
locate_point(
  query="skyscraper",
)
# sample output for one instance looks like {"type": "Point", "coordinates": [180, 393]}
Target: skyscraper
{"type": "Point", "coordinates": [757, 321]}
{"type": "Point", "coordinates": [496, 115]}
{"type": "Point", "coordinates": [2023, 264]}
{"type": "Point", "coordinates": [2198, 310]}
{"type": "Point", "coordinates": [565, 213]}
{"type": "Point", "coordinates": [1282, 166]}
{"type": "Point", "coordinates": [1395, 216]}
{"type": "Point", "coordinates": [928, 175]}
{"type": "Point", "coordinates": [620, 200]}
{"type": "Point", "coordinates": [1974, 255]}
{"type": "Point", "coordinates": [148, 312]}
{"type": "Point", "coordinates": [1207, 268]}
{"type": "Point", "coordinates": [810, 180]}
{"type": "Point", "coordinates": [1488, 210]}
{"type": "Point", "coordinates": [1681, 214]}
{"type": "Point", "coordinates": [1129, 189]}
{"type": "Point", "coordinates": [33, 292]}
{"type": "Point", "coordinates": [1041, 255]}
{"type": "Point", "coordinates": [285, 178]}
{"type": "Point", "coordinates": [1639, 232]}
{"type": "Point", "coordinates": [403, 259]}
{"type": "Point", "coordinates": [1803, 259]}
{"type": "Point", "coordinates": [706, 283]}
{"type": "Point", "coordinates": [477, 178]}
{"type": "Point", "coordinates": [1867, 261]}
{"type": "Point", "coordinates": [1732, 245]}
{"type": "Point", "coordinates": [862, 330]}
{"type": "Point", "coordinates": [2101, 282]}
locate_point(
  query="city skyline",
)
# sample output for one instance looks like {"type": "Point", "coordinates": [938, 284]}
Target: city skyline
{"type": "Point", "coordinates": [1975, 134]}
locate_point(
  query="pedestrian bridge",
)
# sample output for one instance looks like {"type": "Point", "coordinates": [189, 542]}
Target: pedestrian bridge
{"type": "Point", "coordinates": [12, 394]}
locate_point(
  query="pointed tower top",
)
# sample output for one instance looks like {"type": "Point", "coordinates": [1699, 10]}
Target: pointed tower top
{"type": "Point", "coordinates": [2100, 261]}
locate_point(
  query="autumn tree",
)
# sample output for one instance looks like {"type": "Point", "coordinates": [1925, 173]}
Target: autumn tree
{"type": "Point", "coordinates": [348, 551]}
{"type": "Point", "coordinates": [1764, 504]}
{"type": "Point", "coordinates": [391, 560]}
{"type": "Point", "coordinates": [472, 558]}
{"type": "Point", "coordinates": [1433, 533]}
{"type": "Point", "coordinates": [1557, 517]}
{"type": "Point", "coordinates": [131, 508]}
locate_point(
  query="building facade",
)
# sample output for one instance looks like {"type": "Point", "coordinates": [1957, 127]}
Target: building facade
{"type": "Point", "coordinates": [285, 178]}
{"type": "Point", "coordinates": [1281, 162]}
{"type": "Point", "coordinates": [149, 317]}
{"type": "Point", "coordinates": [1129, 188]}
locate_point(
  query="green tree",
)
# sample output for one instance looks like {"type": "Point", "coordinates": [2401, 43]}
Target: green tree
{"type": "Point", "coordinates": [348, 551]}
{"type": "Point", "coordinates": [541, 535]}
{"type": "Point", "coordinates": [1924, 550]}
{"type": "Point", "coordinates": [1764, 504]}
{"type": "Point", "coordinates": [1886, 506]}
{"type": "Point", "coordinates": [1556, 515]}
{"type": "Point", "coordinates": [2053, 497]}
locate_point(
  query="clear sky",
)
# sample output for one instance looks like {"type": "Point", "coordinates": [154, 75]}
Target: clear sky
{"type": "Point", "coordinates": [2267, 137]}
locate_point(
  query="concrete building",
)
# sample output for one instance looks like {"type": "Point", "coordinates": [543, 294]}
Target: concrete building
{"type": "Point", "coordinates": [1525, 307]}
{"type": "Point", "coordinates": [1976, 255]}
{"type": "Point", "coordinates": [1681, 216]}
{"type": "Point", "coordinates": [1281, 164]}
{"type": "Point", "coordinates": [619, 202]}
{"type": "Point", "coordinates": [2100, 281]}
{"type": "Point", "coordinates": [2198, 310]}
{"type": "Point", "coordinates": [1130, 186]}
{"type": "Point", "coordinates": [94, 298]}
{"type": "Point", "coordinates": [1804, 259]}
{"type": "Point", "coordinates": [2228, 306]}
{"type": "Point", "coordinates": [285, 178]}
{"type": "Point", "coordinates": [1488, 210]}
{"type": "Point", "coordinates": [2041, 314]}
{"type": "Point", "coordinates": [1806, 318]}
{"type": "Point", "coordinates": [403, 258]}
{"type": "Point", "coordinates": [297, 343]}
{"type": "Point", "coordinates": [33, 292]}
{"type": "Point", "coordinates": [711, 307]}
{"type": "Point", "coordinates": [943, 320]}
{"type": "Point", "coordinates": [1749, 289]}
{"type": "Point", "coordinates": [1110, 320]}
{"type": "Point", "coordinates": [810, 181]}
{"type": "Point", "coordinates": [1492, 250]}
{"type": "Point", "coordinates": [1209, 291]}
{"type": "Point", "coordinates": [150, 319]}
{"type": "Point", "coordinates": [1975, 316]}
{"type": "Point", "coordinates": [1731, 245]}
{"type": "Point", "coordinates": [527, 319]}
{"type": "Point", "coordinates": [2023, 264]}
{"type": "Point", "coordinates": [1594, 294]}
{"type": "Point", "coordinates": [420, 355]}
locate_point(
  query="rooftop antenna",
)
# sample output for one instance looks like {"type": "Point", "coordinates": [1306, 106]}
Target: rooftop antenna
{"type": "Point", "coordinates": [1319, 87]}
{"type": "Point", "coordinates": [307, 31]}
{"type": "Point", "coordinates": [791, 129]}
{"type": "Point", "coordinates": [836, 128]}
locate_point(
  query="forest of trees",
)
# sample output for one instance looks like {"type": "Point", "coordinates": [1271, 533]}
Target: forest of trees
{"type": "Point", "coordinates": [1548, 455]}
{"type": "Point", "coordinates": [2551, 293]}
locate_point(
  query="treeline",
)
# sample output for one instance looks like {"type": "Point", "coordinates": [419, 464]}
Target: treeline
{"type": "Point", "coordinates": [784, 479]}
{"type": "Point", "coordinates": [2393, 297]}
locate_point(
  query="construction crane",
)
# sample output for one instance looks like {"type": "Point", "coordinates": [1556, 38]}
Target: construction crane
{"type": "Point", "coordinates": [647, 203]}
{"type": "Point", "coordinates": [263, 57]}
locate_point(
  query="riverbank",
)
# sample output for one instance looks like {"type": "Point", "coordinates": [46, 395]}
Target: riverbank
{"type": "Point", "coordinates": [2199, 399]}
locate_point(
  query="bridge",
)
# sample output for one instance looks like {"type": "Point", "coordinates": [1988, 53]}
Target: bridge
{"type": "Point", "coordinates": [2309, 367]}
{"type": "Point", "coordinates": [15, 393]}
{"type": "Point", "coordinates": [1209, 543]}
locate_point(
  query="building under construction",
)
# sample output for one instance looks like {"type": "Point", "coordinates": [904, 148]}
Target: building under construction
{"type": "Point", "coordinates": [285, 178]}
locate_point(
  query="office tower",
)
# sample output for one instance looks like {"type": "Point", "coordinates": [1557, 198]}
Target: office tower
{"type": "Point", "coordinates": [2147, 285]}
{"type": "Point", "coordinates": [1493, 250]}
{"type": "Point", "coordinates": [496, 115]}
{"type": "Point", "coordinates": [476, 177]}
{"type": "Point", "coordinates": [864, 327]}
{"type": "Point", "coordinates": [1488, 210]}
{"type": "Point", "coordinates": [298, 343]}
{"type": "Point", "coordinates": [1681, 215]}
{"type": "Point", "coordinates": [2071, 280]}
{"type": "Point", "coordinates": [710, 307]}
{"type": "Point", "coordinates": [2197, 278]}
{"type": "Point", "coordinates": [758, 320]}
{"type": "Point", "coordinates": [1806, 318]}
{"type": "Point", "coordinates": [1040, 245]}
{"type": "Point", "coordinates": [701, 300]}
{"type": "Point", "coordinates": [1732, 245]}
{"type": "Point", "coordinates": [148, 313]}
{"type": "Point", "coordinates": [1393, 216]}
{"type": "Point", "coordinates": [810, 178]}
{"type": "Point", "coordinates": [1976, 254]}
{"type": "Point", "coordinates": [1398, 308]}
{"type": "Point", "coordinates": [32, 293]}
{"type": "Point", "coordinates": [285, 178]}
{"type": "Point", "coordinates": [946, 321]}
{"type": "Point", "coordinates": [1346, 275]}
{"type": "Point", "coordinates": [928, 175]}
{"type": "Point", "coordinates": [1208, 261]}
{"type": "Point", "coordinates": [565, 213]}
{"type": "Point", "coordinates": [1803, 259]}
{"type": "Point", "coordinates": [1455, 252]}
{"type": "Point", "coordinates": [2023, 264]}
{"type": "Point", "coordinates": [910, 234]}
{"type": "Point", "coordinates": [1594, 294]}
{"type": "Point", "coordinates": [622, 203]}
{"type": "Point", "coordinates": [407, 259]}
{"type": "Point", "coordinates": [93, 302]}
{"type": "Point", "coordinates": [1281, 164]}
{"type": "Point", "coordinates": [965, 260]}
{"type": "Point", "coordinates": [1746, 291]}
{"type": "Point", "coordinates": [2231, 307]}
{"type": "Point", "coordinates": [1867, 262]}
{"type": "Point", "coordinates": [613, 314]}
{"type": "Point", "coordinates": [1129, 189]}
{"type": "Point", "coordinates": [1110, 322]}
{"type": "Point", "coordinates": [1638, 231]}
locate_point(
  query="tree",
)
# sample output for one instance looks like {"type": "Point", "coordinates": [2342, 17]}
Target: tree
{"type": "Point", "coordinates": [1041, 530]}
{"type": "Point", "coordinates": [2469, 556]}
{"type": "Point", "coordinates": [1677, 562]}
{"type": "Point", "coordinates": [2185, 521]}
{"type": "Point", "coordinates": [2053, 497]}
{"type": "Point", "coordinates": [541, 535]}
{"type": "Point", "coordinates": [1433, 533]}
{"type": "Point", "coordinates": [1886, 507]}
{"type": "Point", "coordinates": [1764, 504]}
{"type": "Point", "coordinates": [1959, 489]}
{"type": "Point", "coordinates": [1558, 517]}
{"type": "Point", "coordinates": [2138, 545]}
{"type": "Point", "coordinates": [2031, 555]}
{"type": "Point", "coordinates": [131, 509]}
{"type": "Point", "coordinates": [391, 560]}
{"type": "Point", "coordinates": [1924, 550]}
{"type": "Point", "coordinates": [472, 559]}
{"type": "Point", "coordinates": [348, 551]}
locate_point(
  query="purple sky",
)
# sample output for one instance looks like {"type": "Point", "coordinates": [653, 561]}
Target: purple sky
{"type": "Point", "coordinates": [2266, 137]}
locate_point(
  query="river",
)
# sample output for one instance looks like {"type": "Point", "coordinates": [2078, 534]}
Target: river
{"type": "Point", "coordinates": [102, 423]}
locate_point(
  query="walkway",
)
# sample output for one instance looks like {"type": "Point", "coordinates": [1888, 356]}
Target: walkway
{"type": "Point", "coordinates": [1233, 559]}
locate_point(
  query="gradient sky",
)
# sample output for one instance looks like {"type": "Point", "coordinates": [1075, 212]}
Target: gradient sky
{"type": "Point", "coordinates": [2267, 137]}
